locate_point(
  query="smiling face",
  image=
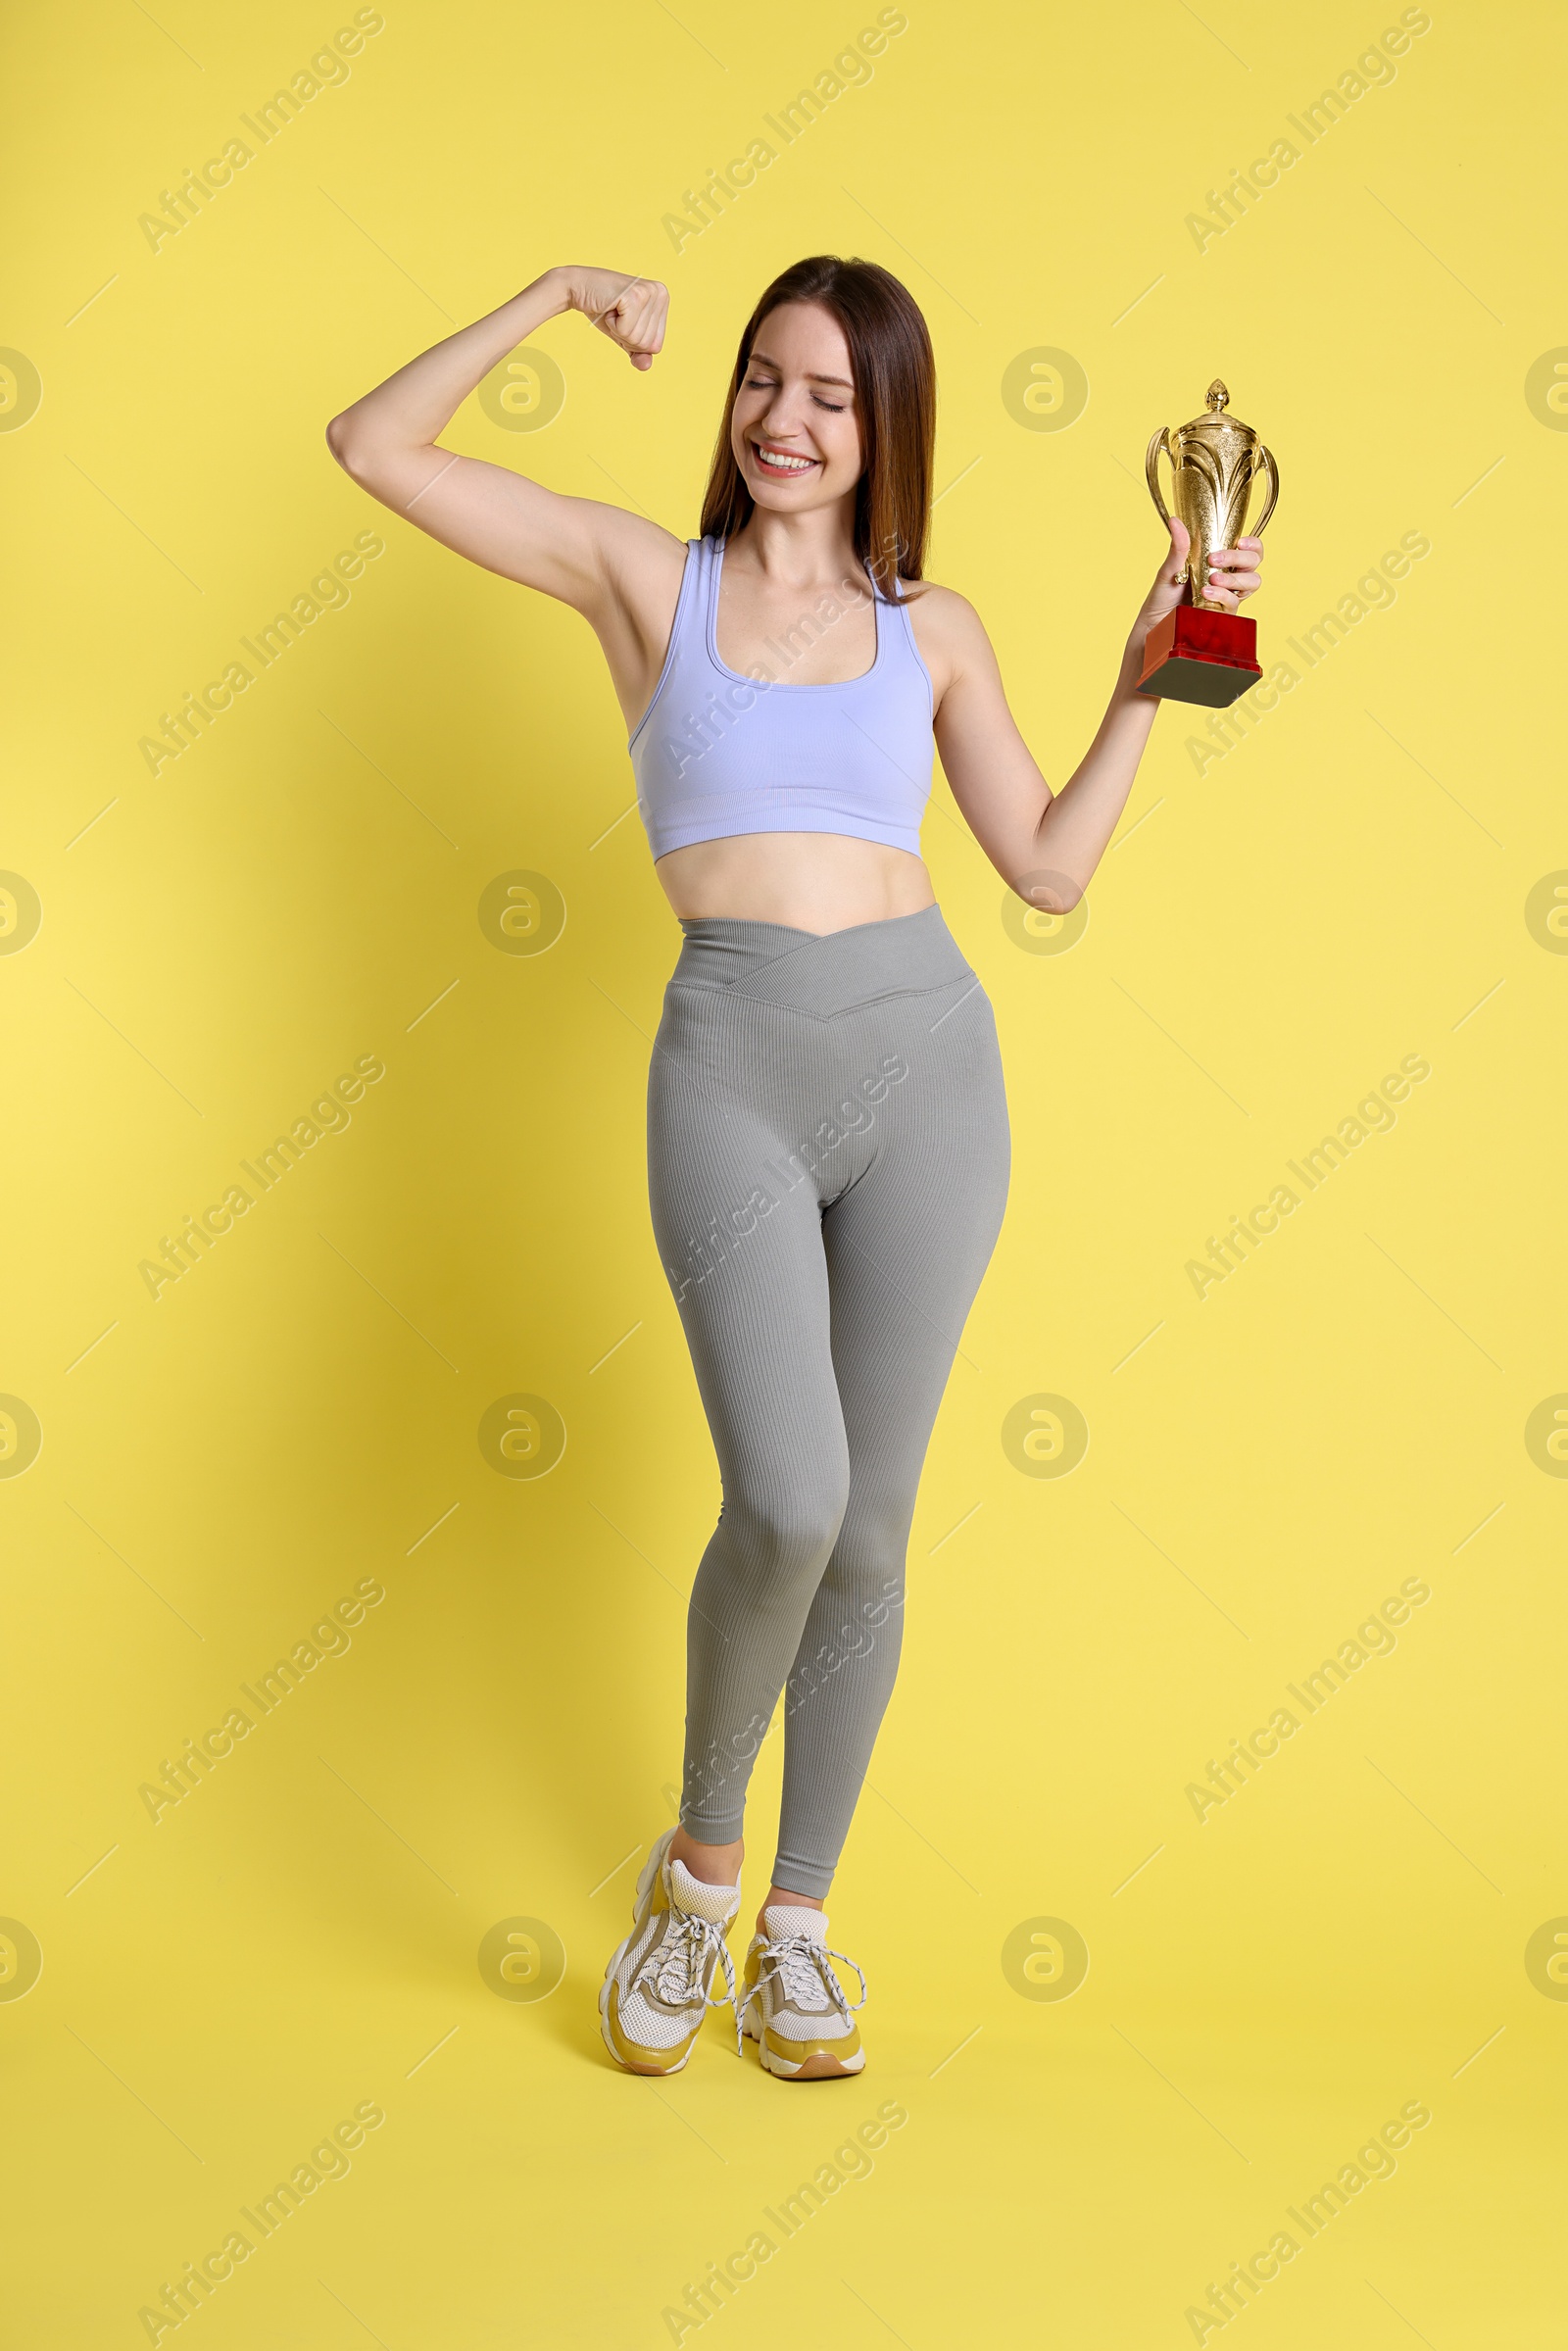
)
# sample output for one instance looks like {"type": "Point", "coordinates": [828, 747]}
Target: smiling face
{"type": "Point", "coordinates": [795, 429]}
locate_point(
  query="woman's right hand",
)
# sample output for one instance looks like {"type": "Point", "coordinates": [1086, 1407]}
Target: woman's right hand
{"type": "Point", "coordinates": [631, 311]}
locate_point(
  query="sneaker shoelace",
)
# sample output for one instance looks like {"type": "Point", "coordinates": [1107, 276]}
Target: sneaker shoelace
{"type": "Point", "coordinates": [683, 1959]}
{"type": "Point", "coordinates": [800, 1970]}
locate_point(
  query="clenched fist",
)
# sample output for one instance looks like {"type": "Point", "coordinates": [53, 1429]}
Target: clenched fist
{"type": "Point", "coordinates": [631, 311]}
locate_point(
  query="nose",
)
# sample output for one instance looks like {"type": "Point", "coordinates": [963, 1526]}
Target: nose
{"type": "Point", "coordinates": [779, 418]}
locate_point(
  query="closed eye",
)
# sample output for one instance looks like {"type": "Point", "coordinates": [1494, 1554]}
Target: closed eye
{"type": "Point", "coordinates": [769, 383]}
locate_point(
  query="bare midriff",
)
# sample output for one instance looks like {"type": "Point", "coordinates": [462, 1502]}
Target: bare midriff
{"type": "Point", "coordinates": [817, 882]}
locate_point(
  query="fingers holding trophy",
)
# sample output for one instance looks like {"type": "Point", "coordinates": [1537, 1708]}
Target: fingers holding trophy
{"type": "Point", "coordinates": [1200, 652]}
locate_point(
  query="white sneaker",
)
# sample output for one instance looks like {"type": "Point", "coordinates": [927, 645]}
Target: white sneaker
{"type": "Point", "coordinates": [655, 1993]}
{"type": "Point", "coordinates": [794, 2006]}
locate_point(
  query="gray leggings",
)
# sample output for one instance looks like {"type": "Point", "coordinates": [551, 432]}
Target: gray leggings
{"type": "Point", "coordinates": [828, 1154]}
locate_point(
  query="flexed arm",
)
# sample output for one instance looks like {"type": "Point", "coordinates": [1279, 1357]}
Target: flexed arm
{"type": "Point", "coordinates": [389, 442]}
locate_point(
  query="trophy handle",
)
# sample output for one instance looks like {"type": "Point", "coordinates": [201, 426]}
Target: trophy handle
{"type": "Point", "coordinates": [1264, 464]}
{"type": "Point", "coordinates": [1160, 441]}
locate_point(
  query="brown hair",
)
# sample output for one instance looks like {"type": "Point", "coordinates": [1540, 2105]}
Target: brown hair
{"type": "Point", "coordinates": [896, 386]}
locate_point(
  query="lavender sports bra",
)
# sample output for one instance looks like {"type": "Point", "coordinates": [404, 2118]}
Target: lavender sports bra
{"type": "Point", "coordinates": [716, 754]}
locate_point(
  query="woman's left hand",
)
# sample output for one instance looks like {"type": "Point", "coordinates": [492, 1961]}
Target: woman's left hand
{"type": "Point", "coordinates": [1233, 576]}
{"type": "Point", "coordinates": [1233, 573]}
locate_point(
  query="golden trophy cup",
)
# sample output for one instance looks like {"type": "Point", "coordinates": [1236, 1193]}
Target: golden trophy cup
{"type": "Point", "coordinates": [1200, 651]}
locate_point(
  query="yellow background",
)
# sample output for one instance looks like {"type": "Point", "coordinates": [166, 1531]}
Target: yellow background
{"type": "Point", "coordinates": [218, 1467]}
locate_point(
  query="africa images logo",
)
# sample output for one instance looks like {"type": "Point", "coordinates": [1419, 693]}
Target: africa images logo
{"type": "Point", "coordinates": [328, 1114]}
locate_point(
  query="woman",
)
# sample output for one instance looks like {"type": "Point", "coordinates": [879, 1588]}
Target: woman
{"type": "Point", "coordinates": [828, 1143]}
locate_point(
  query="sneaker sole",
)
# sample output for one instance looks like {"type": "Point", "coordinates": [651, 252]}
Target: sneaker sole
{"type": "Point", "coordinates": [818, 2066]}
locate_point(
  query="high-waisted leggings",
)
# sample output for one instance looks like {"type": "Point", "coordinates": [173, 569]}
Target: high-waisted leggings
{"type": "Point", "coordinates": [828, 1156]}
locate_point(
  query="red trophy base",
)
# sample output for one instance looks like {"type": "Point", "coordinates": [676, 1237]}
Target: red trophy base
{"type": "Point", "coordinates": [1194, 656]}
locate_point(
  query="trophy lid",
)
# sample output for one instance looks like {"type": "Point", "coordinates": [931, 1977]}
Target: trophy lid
{"type": "Point", "coordinates": [1216, 417]}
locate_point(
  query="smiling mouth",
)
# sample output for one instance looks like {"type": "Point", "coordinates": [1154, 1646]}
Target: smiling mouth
{"type": "Point", "coordinates": [780, 464]}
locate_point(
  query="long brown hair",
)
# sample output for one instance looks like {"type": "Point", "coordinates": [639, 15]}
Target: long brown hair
{"type": "Point", "coordinates": [896, 388]}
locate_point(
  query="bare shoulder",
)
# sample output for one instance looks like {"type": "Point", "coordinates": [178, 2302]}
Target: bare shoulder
{"type": "Point", "coordinates": [640, 566]}
{"type": "Point", "coordinates": [638, 556]}
{"type": "Point", "coordinates": [947, 630]}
